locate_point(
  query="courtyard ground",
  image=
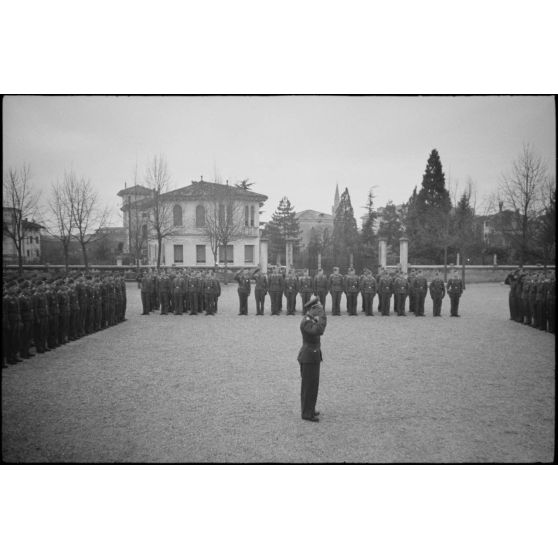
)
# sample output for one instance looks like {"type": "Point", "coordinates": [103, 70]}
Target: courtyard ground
{"type": "Point", "coordinates": [225, 388]}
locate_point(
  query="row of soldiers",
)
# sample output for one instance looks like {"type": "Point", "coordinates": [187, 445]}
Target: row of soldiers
{"type": "Point", "coordinates": [402, 286]}
{"type": "Point", "coordinates": [179, 291]}
{"type": "Point", "coordinates": [532, 298]}
{"type": "Point", "coordinates": [45, 313]}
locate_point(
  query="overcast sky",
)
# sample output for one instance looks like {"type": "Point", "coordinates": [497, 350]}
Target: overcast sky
{"type": "Point", "coordinates": [299, 147]}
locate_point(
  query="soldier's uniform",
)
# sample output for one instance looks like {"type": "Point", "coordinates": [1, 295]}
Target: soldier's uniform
{"type": "Point", "coordinates": [411, 290]}
{"type": "Point", "coordinates": [305, 288]}
{"type": "Point", "coordinates": [146, 288]}
{"type": "Point", "coordinates": [533, 290]}
{"type": "Point", "coordinates": [243, 290]}
{"type": "Point", "coordinates": [309, 357]}
{"type": "Point", "coordinates": [541, 302]}
{"type": "Point", "coordinates": [437, 293]}
{"type": "Point", "coordinates": [260, 290]}
{"type": "Point", "coordinates": [336, 288]}
{"type": "Point", "coordinates": [177, 290]}
{"type": "Point", "coordinates": [368, 291]}
{"type": "Point", "coordinates": [164, 293]}
{"type": "Point", "coordinates": [11, 301]}
{"type": "Point", "coordinates": [385, 289]}
{"type": "Point", "coordinates": [40, 307]}
{"type": "Point", "coordinates": [27, 321]}
{"type": "Point", "coordinates": [455, 289]}
{"type": "Point", "coordinates": [291, 290]}
{"type": "Point", "coordinates": [400, 287]}
{"type": "Point", "coordinates": [276, 287]}
{"type": "Point", "coordinates": [321, 287]}
{"type": "Point", "coordinates": [64, 320]}
{"type": "Point", "coordinates": [194, 289]}
{"type": "Point", "coordinates": [420, 288]}
{"type": "Point", "coordinates": [351, 288]}
{"type": "Point", "coordinates": [525, 302]}
{"type": "Point", "coordinates": [155, 292]}
{"type": "Point", "coordinates": [212, 291]}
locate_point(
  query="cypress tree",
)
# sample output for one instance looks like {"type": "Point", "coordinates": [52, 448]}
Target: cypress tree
{"type": "Point", "coordinates": [345, 233]}
{"type": "Point", "coordinates": [283, 225]}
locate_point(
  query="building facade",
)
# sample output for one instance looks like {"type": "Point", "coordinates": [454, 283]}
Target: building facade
{"type": "Point", "coordinates": [193, 216]}
{"type": "Point", "coordinates": [31, 247]}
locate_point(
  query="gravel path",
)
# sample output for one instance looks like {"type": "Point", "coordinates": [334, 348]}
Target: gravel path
{"type": "Point", "coordinates": [225, 388]}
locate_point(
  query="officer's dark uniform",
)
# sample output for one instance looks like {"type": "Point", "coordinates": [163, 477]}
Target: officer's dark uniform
{"type": "Point", "coordinates": [385, 290]}
{"type": "Point", "coordinates": [437, 293]}
{"type": "Point", "coordinates": [321, 287]}
{"type": "Point", "coordinates": [11, 301]}
{"type": "Point", "coordinates": [146, 289]}
{"type": "Point", "coordinates": [276, 285]}
{"type": "Point", "coordinates": [291, 290]}
{"type": "Point", "coordinates": [74, 312]}
{"type": "Point", "coordinates": [400, 287]}
{"type": "Point", "coordinates": [194, 290]}
{"type": "Point", "coordinates": [164, 293]}
{"type": "Point", "coordinates": [421, 287]}
{"type": "Point", "coordinates": [368, 291]}
{"type": "Point", "coordinates": [40, 306]}
{"type": "Point", "coordinates": [177, 290]}
{"type": "Point", "coordinates": [351, 288]}
{"type": "Point", "coordinates": [411, 291]}
{"type": "Point", "coordinates": [305, 288]}
{"type": "Point", "coordinates": [27, 320]}
{"type": "Point", "coordinates": [309, 357]}
{"type": "Point", "coordinates": [526, 304]}
{"type": "Point", "coordinates": [336, 288]}
{"type": "Point", "coordinates": [260, 290]}
{"type": "Point", "coordinates": [212, 290]}
{"type": "Point", "coordinates": [455, 289]}
{"type": "Point", "coordinates": [64, 323]}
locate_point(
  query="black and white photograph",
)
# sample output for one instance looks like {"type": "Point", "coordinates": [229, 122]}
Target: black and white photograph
{"type": "Point", "coordinates": [278, 279]}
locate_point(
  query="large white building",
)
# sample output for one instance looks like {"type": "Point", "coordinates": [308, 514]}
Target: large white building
{"type": "Point", "coordinates": [189, 213]}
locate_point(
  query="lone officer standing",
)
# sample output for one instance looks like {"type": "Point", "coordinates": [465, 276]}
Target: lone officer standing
{"type": "Point", "coordinates": [310, 356]}
{"type": "Point", "coordinates": [437, 293]}
{"type": "Point", "coordinates": [455, 289]}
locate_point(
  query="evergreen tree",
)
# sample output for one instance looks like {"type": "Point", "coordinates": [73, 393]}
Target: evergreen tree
{"type": "Point", "coordinates": [282, 226]}
{"type": "Point", "coordinates": [462, 228]}
{"type": "Point", "coordinates": [368, 253]}
{"type": "Point", "coordinates": [428, 215]}
{"type": "Point", "coordinates": [390, 228]}
{"type": "Point", "coordinates": [345, 233]}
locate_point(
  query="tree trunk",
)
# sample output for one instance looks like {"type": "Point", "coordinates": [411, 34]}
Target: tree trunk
{"type": "Point", "coordinates": [20, 260]}
{"type": "Point", "coordinates": [84, 251]}
{"type": "Point", "coordinates": [66, 249]}
{"type": "Point", "coordinates": [159, 244]}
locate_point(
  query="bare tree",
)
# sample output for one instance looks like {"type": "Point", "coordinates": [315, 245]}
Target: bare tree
{"type": "Point", "coordinates": [21, 202]}
{"type": "Point", "coordinates": [223, 219]}
{"type": "Point", "coordinates": [87, 215]}
{"type": "Point", "coordinates": [160, 216]}
{"type": "Point", "coordinates": [520, 191]}
{"type": "Point", "coordinates": [245, 184]}
{"type": "Point", "coordinates": [61, 224]}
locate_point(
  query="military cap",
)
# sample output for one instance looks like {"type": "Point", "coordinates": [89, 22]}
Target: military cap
{"type": "Point", "coordinates": [312, 302]}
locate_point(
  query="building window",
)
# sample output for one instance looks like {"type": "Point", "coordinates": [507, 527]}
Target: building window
{"type": "Point", "coordinates": [120, 247]}
{"type": "Point", "coordinates": [200, 216]}
{"type": "Point", "coordinates": [177, 216]}
{"type": "Point", "coordinates": [27, 253]}
{"type": "Point", "coordinates": [246, 216]}
{"type": "Point", "coordinates": [200, 253]}
{"type": "Point", "coordinates": [30, 239]}
{"type": "Point", "coordinates": [144, 232]}
{"type": "Point", "coordinates": [252, 216]}
{"type": "Point", "coordinates": [221, 212]}
{"type": "Point", "coordinates": [230, 258]}
{"type": "Point", "coordinates": [37, 240]}
{"type": "Point", "coordinates": [249, 253]}
{"type": "Point", "coordinates": [178, 253]}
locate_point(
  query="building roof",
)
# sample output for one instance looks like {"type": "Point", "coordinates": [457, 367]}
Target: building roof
{"type": "Point", "coordinates": [201, 189]}
{"type": "Point", "coordinates": [136, 190]}
{"type": "Point", "coordinates": [31, 225]}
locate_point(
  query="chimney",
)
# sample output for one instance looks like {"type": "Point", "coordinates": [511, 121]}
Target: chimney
{"type": "Point", "coordinates": [500, 206]}
{"type": "Point", "coordinates": [201, 177]}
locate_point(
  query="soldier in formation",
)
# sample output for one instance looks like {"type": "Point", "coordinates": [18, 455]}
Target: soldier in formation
{"type": "Point", "coordinates": [532, 298]}
{"type": "Point", "coordinates": [180, 291]}
{"type": "Point", "coordinates": [44, 312]}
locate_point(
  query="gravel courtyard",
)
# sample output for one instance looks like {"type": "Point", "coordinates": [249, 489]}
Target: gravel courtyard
{"type": "Point", "coordinates": [225, 388]}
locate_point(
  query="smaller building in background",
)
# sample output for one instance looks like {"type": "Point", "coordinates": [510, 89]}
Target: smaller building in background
{"type": "Point", "coordinates": [32, 232]}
